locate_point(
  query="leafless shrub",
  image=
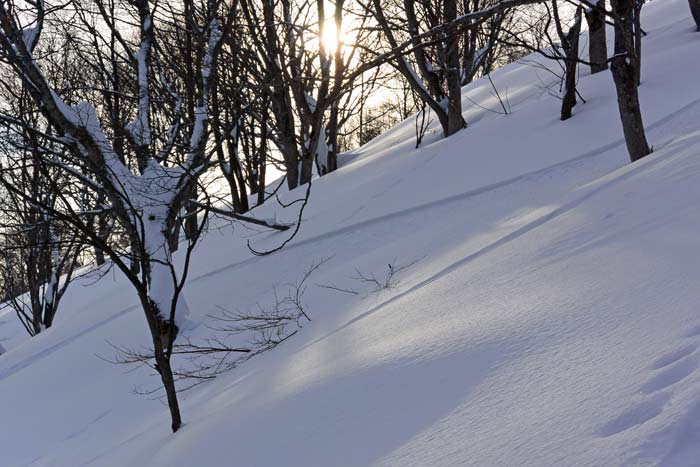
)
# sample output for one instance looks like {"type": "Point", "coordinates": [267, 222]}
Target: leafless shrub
{"type": "Point", "coordinates": [388, 279]}
{"type": "Point", "coordinates": [236, 337]}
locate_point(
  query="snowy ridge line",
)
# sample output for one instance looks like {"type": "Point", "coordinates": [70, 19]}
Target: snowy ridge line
{"type": "Point", "coordinates": [22, 364]}
{"type": "Point", "coordinates": [459, 196]}
{"type": "Point", "coordinates": [629, 171]}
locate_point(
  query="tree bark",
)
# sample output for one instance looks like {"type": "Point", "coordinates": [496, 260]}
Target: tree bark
{"type": "Point", "coordinates": [571, 64]}
{"type": "Point", "coordinates": [597, 47]}
{"type": "Point", "coordinates": [163, 335]}
{"type": "Point", "coordinates": [624, 70]}
{"type": "Point", "coordinates": [695, 11]}
{"type": "Point", "coordinates": [332, 159]}
{"type": "Point", "coordinates": [455, 120]}
{"type": "Point", "coordinates": [99, 252]}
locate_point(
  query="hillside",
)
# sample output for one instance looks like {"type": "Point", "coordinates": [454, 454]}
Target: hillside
{"type": "Point", "coordinates": [548, 314]}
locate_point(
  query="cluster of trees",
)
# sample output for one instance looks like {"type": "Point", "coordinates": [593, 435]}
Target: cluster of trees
{"type": "Point", "coordinates": [113, 113]}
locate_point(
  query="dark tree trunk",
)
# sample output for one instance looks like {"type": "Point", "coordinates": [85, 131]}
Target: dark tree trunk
{"type": "Point", "coordinates": [624, 70]}
{"type": "Point", "coordinates": [455, 120]}
{"type": "Point", "coordinates": [134, 265]}
{"type": "Point", "coordinates": [307, 164]}
{"type": "Point", "coordinates": [571, 64]}
{"type": "Point", "coordinates": [292, 166]}
{"type": "Point", "coordinates": [695, 11]}
{"type": "Point", "coordinates": [99, 254]}
{"type": "Point", "coordinates": [166, 376]}
{"type": "Point", "coordinates": [174, 234]}
{"type": "Point", "coordinates": [637, 28]}
{"type": "Point", "coordinates": [332, 159]}
{"type": "Point", "coordinates": [428, 73]}
{"type": "Point", "coordinates": [49, 312]}
{"type": "Point", "coordinates": [102, 226]}
{"type": "Point", "coordinates": [262, 156]}
{"type": "Point", "coordinates": [192, 72]}
{"type": "Point", "coordinates": [191, 223]}
{"type": "Point", "coordinates": [235, 166]}
{"type": "Point", "coordinates": [597, 47]}
{"type": "Point", "coordinates": [163, 334]}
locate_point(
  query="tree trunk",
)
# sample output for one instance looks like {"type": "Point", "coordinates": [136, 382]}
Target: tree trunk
{"type": "Point", "coordinates": [455, 120]}
{"type": "Point", "coordinates": [597, 47]}
{"type": "Point", "coordinates": [307, 166]}
{"type": "Point", "coordinates": [695, 11]}
{"type": "Point", "coordinates": [292, 167]}
{"type": "Point", "coordinates": [134, 265]}
{"type": "Point", "coordinates": [159, 301]}
{"type": "Point", "coordinates": [332, 159]}
{"type": "Point", "coordinates": [166, 375]}
{"type": "Point", "coordinates": [161, 334]}
{"type": "Point", "coordinates": [49, 312]}
{"type": "Point", "coordinates": [99, 253]}
{"type": "Point", "coordinates": [637, 28]}
{"type": "Point", "coordinates": [261, 160]}
{"type": "Point", "coordinates": [624, 73]}
{"type": "Point", "coordinates": [191, 222]}
{"type": "Point", "coordinates": [102, 226]}
{"type": "Point", "coordinates": [571, 51]}
{"type": "Point", "coordinates": [191, 73]}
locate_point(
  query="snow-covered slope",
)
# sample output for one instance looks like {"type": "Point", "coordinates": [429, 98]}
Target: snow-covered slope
{"type": "Point", "coordinates": [551, 319]}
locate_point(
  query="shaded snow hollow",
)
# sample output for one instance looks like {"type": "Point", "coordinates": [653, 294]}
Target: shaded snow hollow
{"type": "Point", "coordinates": [553, 317]}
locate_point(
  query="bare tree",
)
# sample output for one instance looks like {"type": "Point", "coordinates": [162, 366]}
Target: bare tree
{"type": "Point", "coordinates": [570, 44]}
{"type": "Point", "coordinates": [451, 42]}
{"type": "Point", "coordinates": [40, 253]}
{"type": "Point", "coordinates": [148, 196]}
{"type": "Point", "coordinates": [439, 82]}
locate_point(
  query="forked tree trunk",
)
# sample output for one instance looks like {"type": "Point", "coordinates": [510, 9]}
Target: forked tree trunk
{"type": "Point", "coordinates": [159, 300]}
{"type": "Point", "coordinates": [695, 11]}
{"type": "Point", "coordinates": [597, 47]}
{"type": "Point", "coordinates": [624, 71]}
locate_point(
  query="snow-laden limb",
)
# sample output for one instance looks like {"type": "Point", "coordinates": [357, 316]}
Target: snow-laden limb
{"type": "Point", "coordinates": [30, 35]}
{"type": "Point", "coordinates": [139, 129]}
{"type": "Point", "coordinates": [199, 130]}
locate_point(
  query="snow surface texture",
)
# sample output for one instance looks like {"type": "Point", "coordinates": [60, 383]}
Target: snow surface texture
{"type": "Point", "coordinates": [552, 318]}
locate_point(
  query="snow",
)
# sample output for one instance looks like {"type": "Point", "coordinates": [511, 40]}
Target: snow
{"type": "Point", "coordinates": [322, 149]}
{"type": "Point", "coordinates": [551, 317]}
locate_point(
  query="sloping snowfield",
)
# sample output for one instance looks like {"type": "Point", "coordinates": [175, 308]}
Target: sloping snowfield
{"type": "Point", "coordinates": [552, 317]}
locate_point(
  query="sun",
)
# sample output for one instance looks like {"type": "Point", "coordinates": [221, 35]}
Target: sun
{"type": "Point", "coordinates": [331, 40]}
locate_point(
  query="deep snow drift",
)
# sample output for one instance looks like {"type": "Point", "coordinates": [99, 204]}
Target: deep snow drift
{"type": "Point", "coordinates": [551, 318]}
